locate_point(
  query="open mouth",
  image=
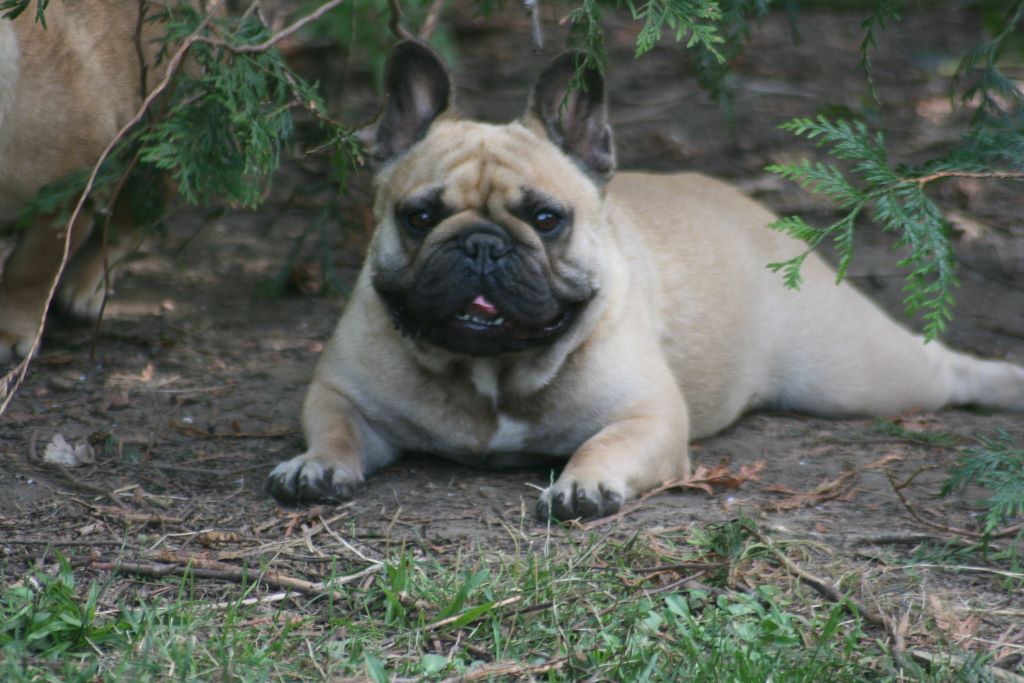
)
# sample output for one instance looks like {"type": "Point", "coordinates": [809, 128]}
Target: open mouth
{"type": "Point", "coordinates": [481, 317]}
{"type": "Point", "coordinates": [481, 312]}
{"type": "Point", "coordinates": [480, 328]}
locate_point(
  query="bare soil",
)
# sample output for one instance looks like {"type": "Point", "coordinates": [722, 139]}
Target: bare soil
{"type": "Point", "coordinates": [190, 393]}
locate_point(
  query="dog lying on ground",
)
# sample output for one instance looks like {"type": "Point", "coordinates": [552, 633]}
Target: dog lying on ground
{"type": "Point", "coordinates": [65, 92]}
{"type": "Point", "coordinates": [519, 300]}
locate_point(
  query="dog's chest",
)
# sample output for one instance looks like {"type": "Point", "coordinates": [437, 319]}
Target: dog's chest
{"type": "Point", "coordinates": [476, 423]}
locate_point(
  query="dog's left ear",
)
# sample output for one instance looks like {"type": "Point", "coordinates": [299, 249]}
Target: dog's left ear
{"type": "Point", "coordinates": [418, 90]}
{"type": "Point", "coordinates": [575, 119]}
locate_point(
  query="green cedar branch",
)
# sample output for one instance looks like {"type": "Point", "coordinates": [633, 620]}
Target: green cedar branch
{"type": "Point", "coordinates": [895, 199]}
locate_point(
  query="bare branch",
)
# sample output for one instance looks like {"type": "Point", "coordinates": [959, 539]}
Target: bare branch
{"type": "Point", "coordinates": [277, 37]}
{"type": "Point", "coordinates": [395, 22]}
{"type": "Point", "coordinates": [532, 8]}
{"type": "Point", "coordinates": [997, 175]}
{"type": "Point", "coordinates": [430, 23]}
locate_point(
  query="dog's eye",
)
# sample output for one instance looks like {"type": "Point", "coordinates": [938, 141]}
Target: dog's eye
{"type": "Point", "coordinates": [420, 220]}
{"type": "Point", "coordinates": [546, 220]}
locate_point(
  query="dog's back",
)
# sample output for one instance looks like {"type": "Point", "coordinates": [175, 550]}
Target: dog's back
{"type": "Point", "coordinates": [737, 339]}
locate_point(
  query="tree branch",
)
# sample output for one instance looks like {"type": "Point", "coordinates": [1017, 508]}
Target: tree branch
{"type": "Point", "coordinates": [395, 22]}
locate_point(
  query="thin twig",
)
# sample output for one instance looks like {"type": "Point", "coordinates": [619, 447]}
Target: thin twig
{"type": "Point", "coordinates": [996, 175]}
{"type": "Point", "coordinates": [430, 22]}
{"type": "Point", "coordinates": [499, 669]}
{"type": "Point", "coordinates": [79, 484]}
{"type": "Point", "coordinates": [217, 570]}
{"type": "Point", "coordinates": [455, 617]}
{"type": "Point", "coordinates": [956, 531]}
{"type": "Point", "coordinates": [274, 39]}
{"type": "Point", "coordinates": [961, 568]}
{"type": "Point", "coordinates": [261, 600]}
{"type": "Point", "coordinates": [395, 22]}
{"type": "Point", "coordinates": [826, 589]}
{"type": "Point", "coordinates": [532, 8]}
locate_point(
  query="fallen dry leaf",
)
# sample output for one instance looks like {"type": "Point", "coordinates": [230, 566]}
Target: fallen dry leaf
{"type": "Point", "coordinates": [949, 623]}
{"type": "Point", "coordinates": [827, 490]}
{"type": "Point", "coordinates": [60, 452]}
{"type": "Point", "coordinates": [707, 479]}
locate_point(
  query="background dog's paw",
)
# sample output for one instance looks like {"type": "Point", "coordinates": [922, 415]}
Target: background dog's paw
{"type": "Point", "coordinates": [571, 498]}
{"type": "Point", "coordinates": [82, 290]}
{"type": "Point", "coordinates": [309, 479]}
{"type": "Point", "coordinates": [18, 321]}
{"type": "Point", "coordinates": [13, 346]}
{"type": "Point", "coordinates": [81, 304]}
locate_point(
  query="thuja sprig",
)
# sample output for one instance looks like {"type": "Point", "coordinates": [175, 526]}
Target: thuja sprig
{"type": "Point", "coordinates": [885, 10]}
{"type": "Point", "coordinates": [997, 94]}
{"type": "Point", "coordinates": [223, 133]}
{"type": "Point", "coordinates": [998, 466]}
{"type": "Point", "coordinates": [694, 22]}
{"type": "Point", "coordinates": [894, 199]}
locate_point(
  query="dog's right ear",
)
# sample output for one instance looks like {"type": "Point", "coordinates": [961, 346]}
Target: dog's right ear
{"type": "Point", "coordinates": [417, 90]}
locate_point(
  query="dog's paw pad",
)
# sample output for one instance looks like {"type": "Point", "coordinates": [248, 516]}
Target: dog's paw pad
{"type": "Point", "coordinates": [307, 480]}
{"type": "Point", "coordinates": [574, 500]}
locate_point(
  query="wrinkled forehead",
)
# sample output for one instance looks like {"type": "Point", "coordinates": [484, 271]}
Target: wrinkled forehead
{"type": "Point", "coordinates": [483, 165]}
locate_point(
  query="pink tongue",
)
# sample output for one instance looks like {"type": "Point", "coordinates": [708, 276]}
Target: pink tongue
{"type": "Point", "coordinates": [483, 305]}
{"type": "Point", "coordinates": [482, 308]}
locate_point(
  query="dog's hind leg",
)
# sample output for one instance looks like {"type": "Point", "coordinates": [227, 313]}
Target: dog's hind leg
{"type": "Point", "coordinates": [838, 354]}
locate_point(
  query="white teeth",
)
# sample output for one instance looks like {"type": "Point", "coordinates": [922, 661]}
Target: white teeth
{"type": "Point", "coordinates": [480, 321]}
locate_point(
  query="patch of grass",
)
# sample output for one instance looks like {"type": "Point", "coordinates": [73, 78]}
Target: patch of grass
{"type": "Point", "coordinates": [697, 605]}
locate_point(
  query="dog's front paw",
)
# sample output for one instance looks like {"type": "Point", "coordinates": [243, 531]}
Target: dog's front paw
{"type": "Point", "coordinates": [572, 498]}
{"type": "Point", "coordinates": [308, 478]}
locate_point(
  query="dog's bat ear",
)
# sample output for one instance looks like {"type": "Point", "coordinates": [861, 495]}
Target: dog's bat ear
{"type": "Point", "coordinates": [417, 90]}
{"type": "Point", "coordinates": [570, 104]}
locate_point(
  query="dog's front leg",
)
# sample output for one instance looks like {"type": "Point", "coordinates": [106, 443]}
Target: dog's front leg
{"type": "Point", "coordinates": [342, 449]}
{"type": "Point", "coordinates": [637, 452]}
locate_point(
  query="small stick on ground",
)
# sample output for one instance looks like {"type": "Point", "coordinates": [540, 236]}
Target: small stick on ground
{"type": "Point", "coordinates": [455, 617]}
{"type": "Point", "coordinates": [235, 574]}
{"type": "Point", "coordinates": [956, 531]}
{"type": "Point", "coordinates": [826, 589]}
{"type": "Point", "coordinates": [488, 671]}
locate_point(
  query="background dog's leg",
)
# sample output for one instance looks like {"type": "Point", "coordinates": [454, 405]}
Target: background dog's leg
{"type": "Point", "coordinates": [628, 457]}
{"type": "Point", "coordinates": [82, 287]}
{"type": "Point", "coordinates": [342, 450]}
{"type": "Point", "coordinates": [844, 356]}
{"type": "Point", "coordinates": [27, 277]}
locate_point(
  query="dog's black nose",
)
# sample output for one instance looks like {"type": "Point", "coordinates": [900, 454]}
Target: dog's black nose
{"type": "Point", "coordinates": [486, 245]}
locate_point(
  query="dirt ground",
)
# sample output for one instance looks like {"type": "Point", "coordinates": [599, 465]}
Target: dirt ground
{"type": "Point", "coordinates": [193, 389]}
